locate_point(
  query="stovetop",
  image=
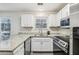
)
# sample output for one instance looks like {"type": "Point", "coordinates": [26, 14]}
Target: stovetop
{"type": "Point", "coordinates": [62, 42]}
{"type": "Point", "coordinates": [66, 39]}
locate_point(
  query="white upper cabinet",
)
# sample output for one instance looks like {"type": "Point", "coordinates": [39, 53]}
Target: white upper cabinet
{"type": "Point", "coordinates": [58, 17]}
{"type": "Point", "coordinates": [65, 11]}
{"type": "Point", "coordinates": [53, 22]}
{"type": "Point", "coordinates": [27, 20]}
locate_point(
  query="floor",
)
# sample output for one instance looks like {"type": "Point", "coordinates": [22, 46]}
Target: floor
{"type": "Point", "coordinates": [41, 53]}
{"type": "Point", "coordinates": [54, 53]}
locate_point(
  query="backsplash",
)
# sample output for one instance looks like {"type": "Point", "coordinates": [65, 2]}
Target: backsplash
{"type": "Point", "coordinates": [65, 31]}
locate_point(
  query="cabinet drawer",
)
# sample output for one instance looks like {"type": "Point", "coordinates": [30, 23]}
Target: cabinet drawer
{"type": "Point", "coordinates": [36, 40]}
{"type": "Point", "coordinates": [41, 39]}
{"type": "Point", "coordinates": [47, 39]}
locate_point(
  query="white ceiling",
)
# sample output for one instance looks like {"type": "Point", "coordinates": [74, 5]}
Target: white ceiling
{"type": "Point", "coordinates": [31, 7]}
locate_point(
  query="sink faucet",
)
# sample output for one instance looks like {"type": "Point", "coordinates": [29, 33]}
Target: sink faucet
{"type": "Point", "coordinates": [40, 32]}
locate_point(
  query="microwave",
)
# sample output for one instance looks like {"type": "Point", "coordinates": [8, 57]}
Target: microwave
{"type": "Point", "coordinates": [65, 22]}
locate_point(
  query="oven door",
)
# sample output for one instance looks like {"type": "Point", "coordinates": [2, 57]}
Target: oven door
{"type": "Point", "coordinates": [61, 44]}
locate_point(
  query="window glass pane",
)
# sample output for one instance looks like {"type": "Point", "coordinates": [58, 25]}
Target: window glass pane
{"type": "Point", "coordinates": [41, 23]}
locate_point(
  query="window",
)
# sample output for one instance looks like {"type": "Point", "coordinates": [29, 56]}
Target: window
{"type": "Point", "coordinates": [41, 22]}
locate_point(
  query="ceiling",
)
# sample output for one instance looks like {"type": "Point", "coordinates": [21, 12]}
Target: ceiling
{"type": "Point", "coordinates": [31, 7]}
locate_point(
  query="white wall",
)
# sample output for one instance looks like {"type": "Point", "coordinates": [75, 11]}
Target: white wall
{"type": "Point", "coordinates": [15, 24]}
{"type": "Point", "coordinates": [15, 21]}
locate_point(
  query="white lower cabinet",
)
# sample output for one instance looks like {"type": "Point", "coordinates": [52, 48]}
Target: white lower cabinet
{"type": "Point", "coordinates": [42, 44]}
{"type": "Point", "coordinates": [19, 50]}
{"type": "Point", "coordinates": [36, 46]}
{"type": "Point", "coordinates": [47, 45]}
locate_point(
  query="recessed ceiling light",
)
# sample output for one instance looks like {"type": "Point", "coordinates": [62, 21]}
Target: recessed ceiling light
{"type": "Point", "coordinates": [39, 4]}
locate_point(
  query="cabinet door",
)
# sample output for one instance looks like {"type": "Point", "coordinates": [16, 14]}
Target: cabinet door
{"type": "Point", "coordinates": [58, 18]}
{"type": "Point", "coordinates": [30, 20]}
{"type": "Point", "coordinates": [65, 11]}
{"type": "Point", "coordinates": [59, 15]}
{"type": "Point", "coordinates": [52, 20]}
{"type": "Point", "coordinates": [26, 20]}
{"type": "Point", "coordinates": [47, 44]}
{"type": "Point", "coordinates": [35, 44]}
{"type": "Point", "coordinates": [42, 44]}
{"type": "Point", "coordinates": [68, 9]}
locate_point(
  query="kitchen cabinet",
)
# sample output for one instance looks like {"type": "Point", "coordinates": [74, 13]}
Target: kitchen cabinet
{"type": "Point", "coordinates": [53, 22]}
{"type": "Point", "coordinates": [27, 20]}
{"type": "Point", "coordinates": [63, 14]}
{"type": "Point", "coordinates": [58, 18]}
{"type": "Point", "coordinates": [47, 45]}
{"type": "Point", "coordinates": [19, 50]}
{"type": "Point", "coordinates": [65, 11]}
{"type": "Point", "coordinates": [74, 15]}
{"type": "Point", "coordinates": [41, 44]}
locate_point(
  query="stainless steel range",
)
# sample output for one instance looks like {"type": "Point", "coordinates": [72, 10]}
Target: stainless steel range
{"type": "Point", "coordinates": [63, 45]}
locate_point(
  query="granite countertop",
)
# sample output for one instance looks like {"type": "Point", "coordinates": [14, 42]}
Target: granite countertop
{"type": "Point", "coordinates": [18, 39]}
{"type": "Point", "coordinates": [64, 38]}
